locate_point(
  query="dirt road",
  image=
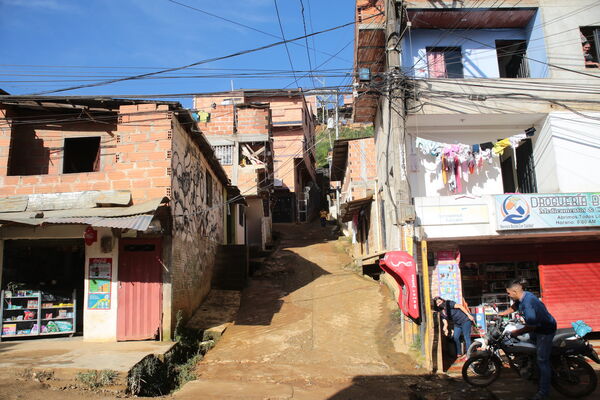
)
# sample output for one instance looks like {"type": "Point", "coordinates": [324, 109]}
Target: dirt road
{"type": "Point", "coordinates": [310, 328]}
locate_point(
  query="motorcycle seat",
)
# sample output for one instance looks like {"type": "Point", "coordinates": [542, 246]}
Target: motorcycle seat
{"type": "Point", "coordinates": [558, 338]}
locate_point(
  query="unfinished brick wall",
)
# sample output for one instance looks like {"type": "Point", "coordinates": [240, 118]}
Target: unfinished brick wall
{"type": "Point", "coordinates": [134, 155]}
{"type": "Point", "coordinates": [361, 169]}
{"type": "Point", "coordinates": [244, 120]}
{"type": "Point", "coordinates": [198, 227]}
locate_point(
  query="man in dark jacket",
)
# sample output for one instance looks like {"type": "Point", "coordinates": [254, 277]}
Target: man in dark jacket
{"type": "Point", "coordinates": [539, 321]}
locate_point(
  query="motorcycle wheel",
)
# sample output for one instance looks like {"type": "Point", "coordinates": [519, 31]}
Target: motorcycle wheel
{"type": "Point", "coordinates": [481, 371]}
{"type": "Point", "coordinates": [578, 379]}
{"type": "Point", "coordinates": [473, 348]}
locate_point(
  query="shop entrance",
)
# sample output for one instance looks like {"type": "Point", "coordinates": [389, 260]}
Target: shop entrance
{"type": "Point", "coordinates": [484, 283]}
{"type": "Point", "coordinates": [55, 267]}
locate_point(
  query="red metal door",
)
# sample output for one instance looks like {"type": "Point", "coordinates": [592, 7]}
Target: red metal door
{"type": "Point", "coordinates": [140, 289]}
{"type": "Point", "coordinates": [570, 288]}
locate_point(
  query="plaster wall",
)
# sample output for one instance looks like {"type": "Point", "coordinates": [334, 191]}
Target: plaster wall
{"type": "Point", "coordinates": [101, 325]}
{"type": "Point", "coordinates": [574, 148]}
{"type": "Point", "coordinates": [478, 49]}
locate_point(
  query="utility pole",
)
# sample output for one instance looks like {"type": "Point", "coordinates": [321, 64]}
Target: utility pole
{"type": "Point", "coordinates": [395, 176]}
{"type": "Point", "coordinates": [337, 116]}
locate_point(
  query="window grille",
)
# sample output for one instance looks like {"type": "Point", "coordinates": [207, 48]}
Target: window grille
{"type": "Point", "coordinates": [224, 154]}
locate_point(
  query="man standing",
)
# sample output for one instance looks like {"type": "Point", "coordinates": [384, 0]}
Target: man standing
{"type": "Point", "coordinates": [539, 321]}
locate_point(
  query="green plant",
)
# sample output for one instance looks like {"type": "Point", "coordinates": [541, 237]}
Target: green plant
{"type": "Point", "coordinates": [94, 379]}
{"type": "Point", "coordinates": [323, 140]}
{"type": "Point", "coordinates": [187, 372]}
{"type": "Point", "coordinates": [179, 326]}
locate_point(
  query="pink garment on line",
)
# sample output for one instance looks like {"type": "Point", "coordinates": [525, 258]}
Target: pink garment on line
{"type": "Point", "coordinates": [436, 63]}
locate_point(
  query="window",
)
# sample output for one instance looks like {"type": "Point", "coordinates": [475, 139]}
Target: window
{"type": "Point", "coordinates": [444, 62]}
{"type": "Point", "coordinates": [519, 178]}
{"type": "Point", "coordinates": [526, 168]}
{"type": "Point", "coordinates": [512, 61]}
{"type": "Point", "coordinates": [590, 41]}
{"type": "Point", "coordinates": [81, 155]}
{"type": "Point", "coordinates": [224, 154]}
{"type": "Point", "coordinates": [209, 189]}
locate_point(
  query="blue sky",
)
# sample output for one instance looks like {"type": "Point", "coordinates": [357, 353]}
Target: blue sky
{"type": "Point", "coordinates": [56, 39]}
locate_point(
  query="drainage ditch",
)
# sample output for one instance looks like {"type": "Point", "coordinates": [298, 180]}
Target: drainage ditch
{"type": "Point", "coordinates": [159, 375]}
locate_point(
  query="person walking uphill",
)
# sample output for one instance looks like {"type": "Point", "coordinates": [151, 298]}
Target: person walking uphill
{"type": "Point", "coordinates": [462, 319]}
{"type": "Point", "coordinates": [539, 321]}
{"type": "Point", "coordinates": [323, 215]}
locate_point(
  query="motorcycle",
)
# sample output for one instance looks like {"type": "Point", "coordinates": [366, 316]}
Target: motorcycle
{"type": "Point", "coordinates": [572, 376]}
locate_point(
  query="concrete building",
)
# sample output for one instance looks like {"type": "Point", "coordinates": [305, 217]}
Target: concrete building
{"type": "Point", "coordinates": [293, 130]}
{"type": "Point", "coordinates": [495, 118]}
{"type": "Point", "coordinates": [241, 135]}
{"type": "Point", "coordinates": [119, 201]}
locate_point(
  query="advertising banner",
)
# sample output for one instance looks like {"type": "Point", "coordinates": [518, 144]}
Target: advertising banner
{"type": "Point", "coordinates": [547, 211]}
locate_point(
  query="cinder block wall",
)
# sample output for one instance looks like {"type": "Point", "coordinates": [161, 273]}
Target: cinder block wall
{"type": "Point", "coordinates": [134, 154]}
{"type": "Point", "coordinates": [197, 226]}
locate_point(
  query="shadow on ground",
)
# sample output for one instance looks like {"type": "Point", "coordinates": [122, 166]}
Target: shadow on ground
{"type": "Point", "coordinates": [283, 273]}
{"type": "Point", "coordinates": [441, 387]}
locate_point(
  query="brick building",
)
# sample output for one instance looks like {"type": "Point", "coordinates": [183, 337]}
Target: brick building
{"type": "Point", "coordinates": [293, 130]}
{"type": "Point", "coordinates": [353, 175]}
{"type": "Point", "coordinates": [144, 186]}
{"type": "Point", "coordinates": [241, 135]}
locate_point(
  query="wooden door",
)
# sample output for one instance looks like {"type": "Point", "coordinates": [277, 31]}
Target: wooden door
{"type": "Point", "coordinates": [140, 289]}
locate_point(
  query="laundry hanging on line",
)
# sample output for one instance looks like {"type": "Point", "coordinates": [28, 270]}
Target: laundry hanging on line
{"type": "Point", "coordinates": [456, 159]}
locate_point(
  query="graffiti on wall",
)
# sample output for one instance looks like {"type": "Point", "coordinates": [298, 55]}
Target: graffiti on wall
{"type": "Point", "coordinates": [191, 215]}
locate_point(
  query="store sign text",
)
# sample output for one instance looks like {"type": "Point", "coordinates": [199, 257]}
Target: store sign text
{"type": "Point", "coordinates": [543, 211]}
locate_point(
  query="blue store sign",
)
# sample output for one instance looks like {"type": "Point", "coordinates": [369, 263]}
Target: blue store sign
{"type": "Point", "coordinates": [544, 211]}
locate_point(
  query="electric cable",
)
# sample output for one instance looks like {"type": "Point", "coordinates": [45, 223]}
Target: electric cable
{"type": "Point", "coordinates": [205, 61]}
{"type": "Point", "coordinates": [287, 50]}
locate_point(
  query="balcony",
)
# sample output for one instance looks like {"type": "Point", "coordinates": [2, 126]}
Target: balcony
{"type": "Point", "coordinates": [475, 43]}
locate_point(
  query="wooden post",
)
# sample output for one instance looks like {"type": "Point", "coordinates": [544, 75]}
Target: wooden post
{"type": "Point", "coordinates": [427, 299]}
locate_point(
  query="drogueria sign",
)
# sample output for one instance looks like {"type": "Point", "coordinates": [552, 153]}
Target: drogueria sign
{"type": "Point", "coordinates": [544, 211]}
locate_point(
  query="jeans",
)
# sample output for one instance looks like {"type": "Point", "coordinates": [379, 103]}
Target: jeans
{"type": "Point", "coordinates": [543, 344]}
{"type": "Point", "coordinates": [465, 330]}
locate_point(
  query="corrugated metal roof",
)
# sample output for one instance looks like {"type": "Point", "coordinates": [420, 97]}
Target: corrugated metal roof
{"type": "Point", "coordinates": [137, 222]}
{"type": "Point", "coordinates": [348, 209]}
{"type": "Point", "coordinates": [142, 208]}
{"type": "Point", "coordinates": [136, 217]}
{"type": "Point", "coordinates": [14, 204]}
{"type": "Point", "coordinates": [77, 200]}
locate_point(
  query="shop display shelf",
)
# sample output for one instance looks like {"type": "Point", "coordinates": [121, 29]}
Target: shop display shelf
{"type": "Point", "coordinates": [41, 334]}
{"type": "Point", "coordinates": [54, 319]}
{"type": "Point", "coordinates": [10, 321]}
{"type": "Point", "coordinates": [66, 304]}
{"type": "Point", "coordinates": [57, 333]}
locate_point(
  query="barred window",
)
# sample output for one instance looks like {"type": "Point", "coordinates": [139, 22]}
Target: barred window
{"type": "Point", "coordinates": [224, 154]}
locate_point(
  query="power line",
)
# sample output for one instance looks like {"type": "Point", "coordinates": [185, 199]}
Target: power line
{"type": "Point", "coordinates": [236, 54]}
{"type": "Point", "coordinates": [306, 40]}
{"type": "Point", "coordinates": [242, 25]}
{"type": "Point", "coordinates": [287, 50]}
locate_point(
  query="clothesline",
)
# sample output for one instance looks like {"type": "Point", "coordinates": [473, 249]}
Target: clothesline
{"type": "Point", "coordinates": [459, 157]}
